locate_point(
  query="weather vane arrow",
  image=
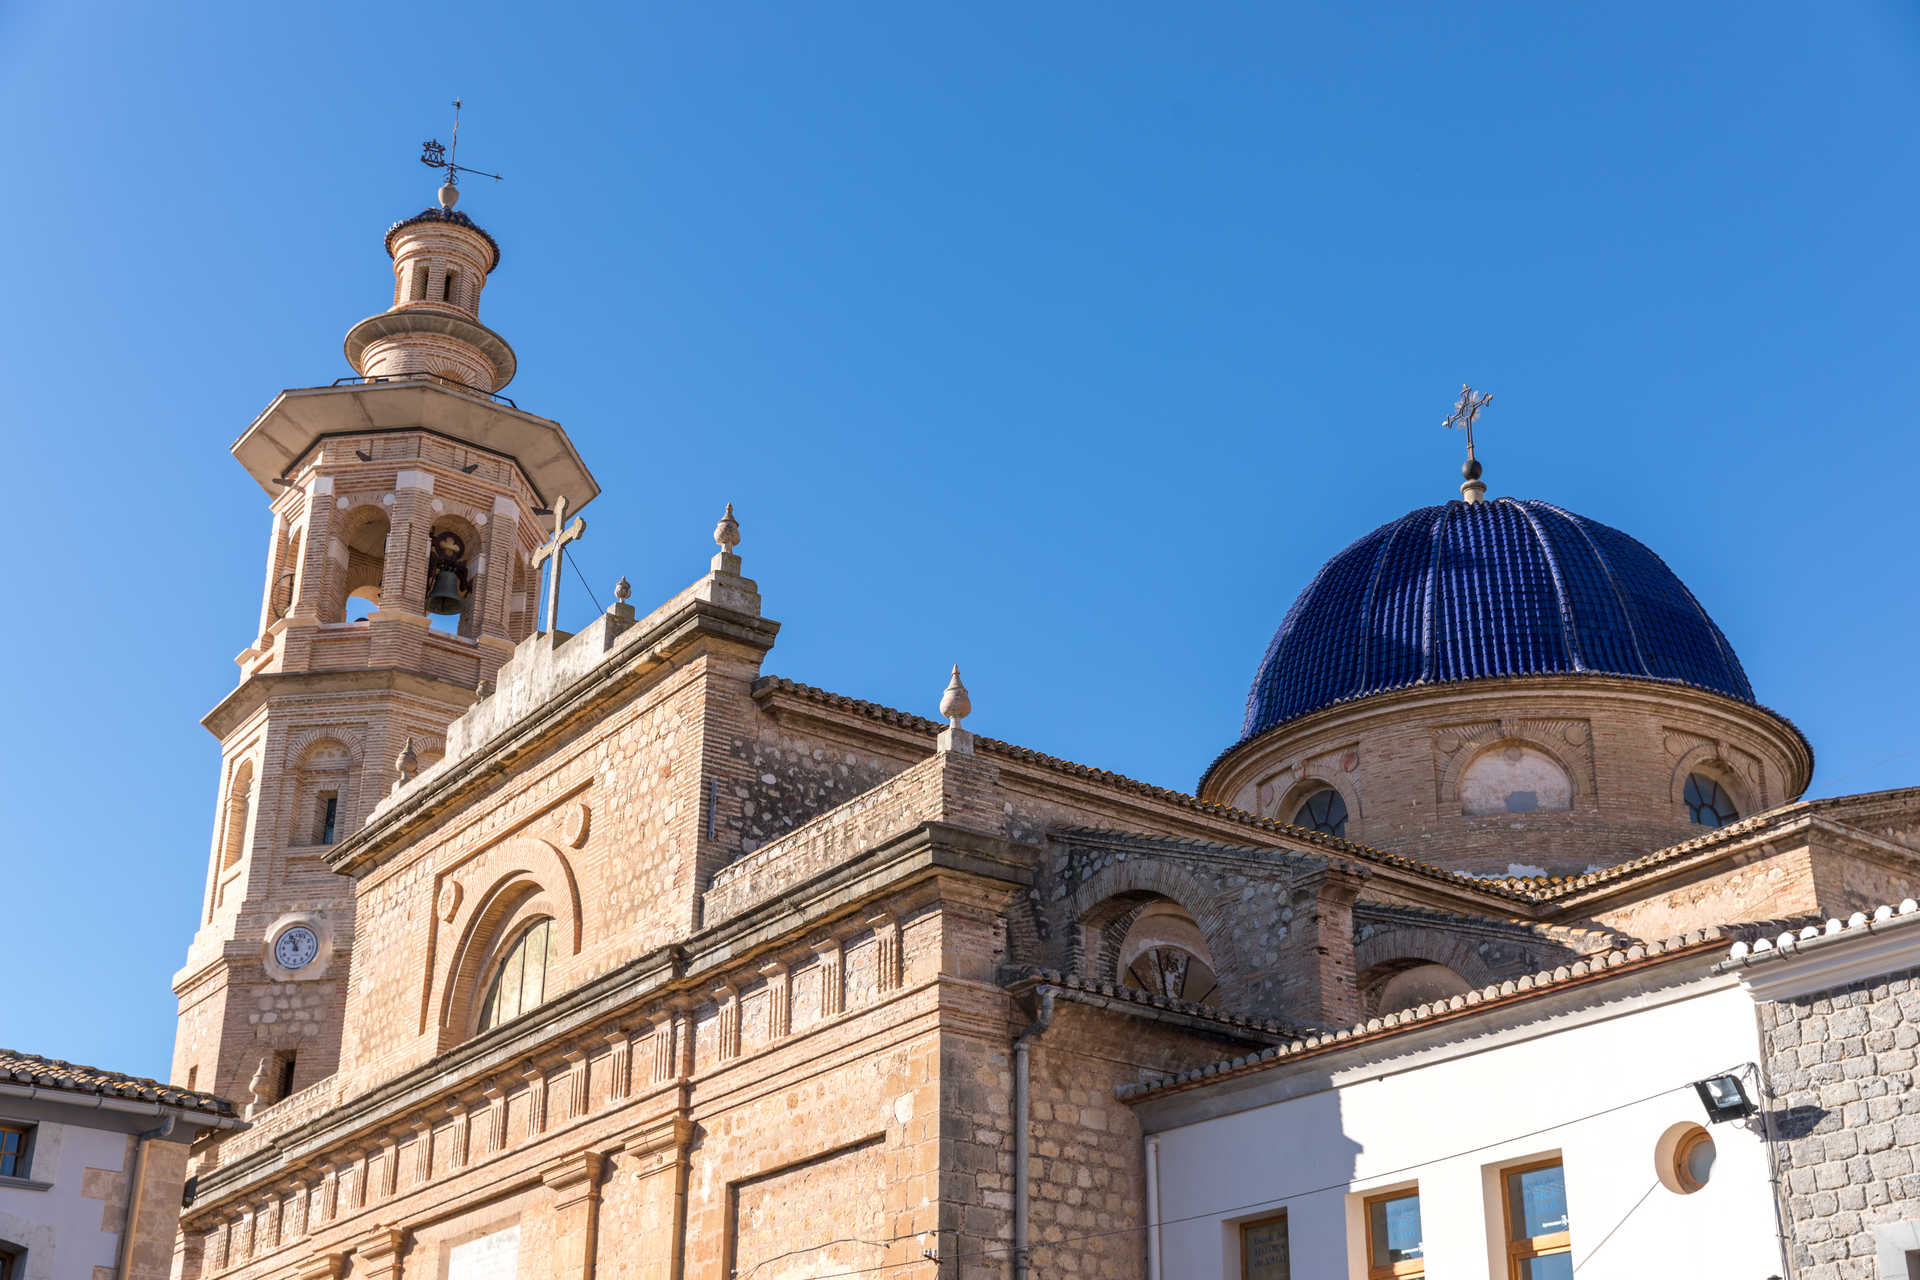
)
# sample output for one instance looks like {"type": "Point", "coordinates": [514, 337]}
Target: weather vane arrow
{"type": "Point", "coordinates": [436, 156]}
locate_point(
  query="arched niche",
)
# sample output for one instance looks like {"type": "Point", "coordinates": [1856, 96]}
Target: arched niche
{"type": "Point", "coordinates": [1163, 951]}
{"type": "Point", "coordinates": [358, 562]}
{"type": "Point", "coordinates": [1424, 953]}
{"type": "Point", "coordinates": [1515, 777]}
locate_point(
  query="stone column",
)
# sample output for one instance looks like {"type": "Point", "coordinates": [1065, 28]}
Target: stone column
{"type": "Point", "coordinates": [575, 1183]}
{"type": "Point", "coordinates": [833, 984]}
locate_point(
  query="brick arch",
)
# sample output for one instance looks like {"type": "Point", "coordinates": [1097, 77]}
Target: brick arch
{"type": "Point", "coordinates": [1479, 744]}
{"type": "Point", "coordinates": [506, 886]}
{"type": "Point", "coordinates": [1707, 758]}
{"type": "Point", "coordinates": [1310, 784]}
{"type": "Point", "coordinates": [1403, 946]}
{"type": "Point", "coordinates": [1119, 892]}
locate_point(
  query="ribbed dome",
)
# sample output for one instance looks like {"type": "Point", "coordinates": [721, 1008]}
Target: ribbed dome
{"type": "Point", "coordinates": [1471, 591]}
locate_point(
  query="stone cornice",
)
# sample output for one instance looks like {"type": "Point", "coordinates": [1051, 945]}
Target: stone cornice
{"type": "Point", "coordinates": [256, 691]}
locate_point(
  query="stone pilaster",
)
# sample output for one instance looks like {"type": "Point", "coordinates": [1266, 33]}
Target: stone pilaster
{"type": "Point", "coordinates": [575, 1183]}
{"type": "Point", "coordinates": [576, 1083]}
{"type": "Point", "coordinates": [833, 976]}
{"type": "Point", "coordinates": [377, 1255]}
{"type": "Point", "coordinates": [536, 1078]}
{"type": "Point", "coordinates": [496, 1117]}
{"type": "Point", "coordinates": [779, 998]}
{"type": "Point", "coordinates": [619, 1065]}
{"type": "Point", "coordinates": [457, 1134]}
{"type": "Point", "coordinates": [422, 1151]}
{"type": "Point", "coordinates": [886, 939]}
{"type": "Point", "coordinates": [727, 1024]}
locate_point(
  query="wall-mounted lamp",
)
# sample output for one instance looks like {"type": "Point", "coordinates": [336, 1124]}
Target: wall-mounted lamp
{"type": "Point", "coordinates": [1724, 1098]}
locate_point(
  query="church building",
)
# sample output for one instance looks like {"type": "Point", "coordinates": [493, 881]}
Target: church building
{"type": "Point", "coordinates": [624, 953]}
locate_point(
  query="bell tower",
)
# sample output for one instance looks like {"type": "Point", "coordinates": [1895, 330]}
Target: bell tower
{"type": "Point", "coordinates": [405, 503]}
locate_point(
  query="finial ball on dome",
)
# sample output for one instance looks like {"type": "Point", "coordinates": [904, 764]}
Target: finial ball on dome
{"type": "Point", "coordinates": [449, 196]}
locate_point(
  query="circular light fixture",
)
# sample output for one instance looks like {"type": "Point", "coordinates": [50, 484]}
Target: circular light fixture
{"type": "Point", "coordinates": [1684, 1158]}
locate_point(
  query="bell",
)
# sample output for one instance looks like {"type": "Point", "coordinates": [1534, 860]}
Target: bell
{"type": "Point", "coordinates": [445, 596]}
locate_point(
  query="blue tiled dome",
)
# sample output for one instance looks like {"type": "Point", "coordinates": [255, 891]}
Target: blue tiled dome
{"type": "Point", "coordinates": [1463, 591]}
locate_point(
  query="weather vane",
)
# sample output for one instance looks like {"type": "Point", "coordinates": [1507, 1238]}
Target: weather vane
{"type": "Point", "coordinates": [1465, 411]}
{"type": "Point", "coordinates": [435, 156]}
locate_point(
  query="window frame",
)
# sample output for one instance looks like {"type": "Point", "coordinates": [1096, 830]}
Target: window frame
{"type": "Point", "coordinates": [23, 1157]}
{"type": "Point", "coordinates": [518, 935]}
{"type": "Point", "coordinates": [1530, 1247]}
{"type": "Point", "coordinates": [1412, 1268]}
{"type": "Point", "coordinates": [1266, 1220]}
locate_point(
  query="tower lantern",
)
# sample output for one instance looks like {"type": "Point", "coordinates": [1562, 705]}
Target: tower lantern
{"type": "Point", "coordinates": [441, 259]}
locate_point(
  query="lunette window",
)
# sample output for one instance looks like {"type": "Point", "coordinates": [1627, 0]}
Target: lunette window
{"type": "Point", "coordinates": [1325, 812]}
{"type": "Point", "coordinates": [520, 983]}
{"type": "Point", "coordinates": [1538, 1238]}
{"type": "Point", "coordinates": [1264, 1253]}
{"type": "Point", "coordinates": [1708, 804]}
{"type": "Point", "coordinates": [1394, 1236]}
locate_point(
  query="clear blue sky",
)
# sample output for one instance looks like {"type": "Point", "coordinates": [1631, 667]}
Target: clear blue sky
{"type": "Point", "coordinates": [1063, 341]}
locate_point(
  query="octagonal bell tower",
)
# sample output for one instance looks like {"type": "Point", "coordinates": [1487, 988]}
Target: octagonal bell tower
{"type": "Point", "coordinates": [405, 504]}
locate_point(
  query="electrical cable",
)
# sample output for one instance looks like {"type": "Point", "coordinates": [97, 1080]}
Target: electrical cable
{"type": "Point", "coordinates": [575, 562]}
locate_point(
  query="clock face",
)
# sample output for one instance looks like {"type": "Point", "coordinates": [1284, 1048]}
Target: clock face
{"type": "Point", "coordinates": [296, 948]}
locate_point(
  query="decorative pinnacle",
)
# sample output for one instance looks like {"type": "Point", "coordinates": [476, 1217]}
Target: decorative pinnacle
{"type": "Point", "coordinates": [726, 534]}
{"type": "Point", "coordinates": [622, 590]}
{"type": "Point", "coordinates": [408, 763]}
{"type": "Point", "coordinates": [955, 705]}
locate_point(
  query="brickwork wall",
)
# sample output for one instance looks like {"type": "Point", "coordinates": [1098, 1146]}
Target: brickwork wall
{"type": "Point", "coordinates": [1841, 1064]}
{"type": "Point", "coordinates": [1626, 748]}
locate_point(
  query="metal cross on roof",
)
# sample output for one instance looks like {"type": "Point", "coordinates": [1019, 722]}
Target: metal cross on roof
{"type": "Point", "coordinates": [1466, 410]}
{"type": "Point", "coordinates": [435, 156]}
{"type": "Point", "coordinates": [554, 550]}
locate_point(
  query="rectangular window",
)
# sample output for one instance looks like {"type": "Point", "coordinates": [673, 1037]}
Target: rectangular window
{"type": "Point", "coordinates": [284, 1071]}
{"type": "Point", "coordinates": [1263, 1249]}
{"type": "Point", "coordinates": [329, 814]}
{"type": "Point", "coordinates": [193, 1074]}
{"type": "Point", "coordinates": [1534, 1205]}
{"type": "Point", "coordinates": [419, 282]}
{"type": "Point", "coordinates": [16, 1150]}
{"type": "Point", "coordinates": [1393, 1236]}
{"type": "Point", "coordinates": [446, 286]}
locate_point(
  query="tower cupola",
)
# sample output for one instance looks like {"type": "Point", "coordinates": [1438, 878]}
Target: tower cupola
{"type": "Point", "coordinates": [441, 259]}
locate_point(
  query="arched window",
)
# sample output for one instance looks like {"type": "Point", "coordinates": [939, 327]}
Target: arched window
{"type": "Point", "coordinates": [364, 536]}
{"type": "Point", "coordinates": [1708, 803]}
{"type": "Point", "coordinates": [1164, 952]}
{"type": "Point", "coordinates": [1513, 778]}
{"type": "Point", "coordinates": [1323, 811]}
{"type": "Point", "coordinates": [1408, 985]}
{"type": "Point", "coordinates": [233, 838]}
{"type": "Point", "coordinates": [520, 981]}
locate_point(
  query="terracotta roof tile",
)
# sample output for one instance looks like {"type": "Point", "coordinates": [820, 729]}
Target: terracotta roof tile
{"type": "Point", "coordinates": [67, 1077]}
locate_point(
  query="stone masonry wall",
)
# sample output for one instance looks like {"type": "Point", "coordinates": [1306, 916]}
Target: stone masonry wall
{"type": "Point", "coordinates": [1841, 1063]}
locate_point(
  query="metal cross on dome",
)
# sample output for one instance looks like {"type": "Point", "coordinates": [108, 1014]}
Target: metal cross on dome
{"type": "Point", "coordinates": [435, 156]}
{"type": "Point", "coordinates": [554, 550]}
{"type": "Point", "coordinates": [1466, 410]}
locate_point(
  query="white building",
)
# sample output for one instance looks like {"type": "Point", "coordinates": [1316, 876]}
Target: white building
{"type": "Point", "coordinates": [1439, 1141]}
{"type": "Point", "coordinates": [91, 1166]}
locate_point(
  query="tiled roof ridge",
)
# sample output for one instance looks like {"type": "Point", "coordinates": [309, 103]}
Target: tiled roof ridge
{"type": "Point", "coordinates": [1153, 1000]}
{"type": "Point", "coordinates": [1549, 887]}
{"type": "Point", "coordinates": [1346, 848]}
{"type": "Point", "coordinates": [1500, 992]}
{"type": "Point", "coordinates": [1185, 842]}
{"type": "Point", "coordinates": [68, 1077]}
{"type": "Point", "coordinates": [1857, 925]}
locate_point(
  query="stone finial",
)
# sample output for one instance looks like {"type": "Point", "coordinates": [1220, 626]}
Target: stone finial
{"type": "Point", "coordinates": [622, 600]}
{"type": "Point", "coordinates": [726, 535]}
{"type": "Point", "coordinates": [623, 590]}
{"type": "Point", "coordinates": [408, 763]}
{"type": "Point", "coordinates": [956, 706]}
{"type": "Point", "coordinates": [258, 1087]}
